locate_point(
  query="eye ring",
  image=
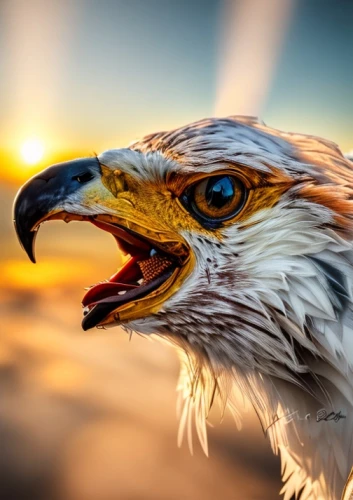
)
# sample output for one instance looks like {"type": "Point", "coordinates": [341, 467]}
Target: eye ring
{"type": "Point", "coordinates": [215, 199]}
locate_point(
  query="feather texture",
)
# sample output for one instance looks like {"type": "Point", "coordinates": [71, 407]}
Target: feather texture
{"type": "Point", "coordinates": [266, 316]}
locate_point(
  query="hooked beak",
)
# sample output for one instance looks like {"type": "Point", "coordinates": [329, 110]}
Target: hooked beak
{"type": "Point", "coordinates": [44, 194]}
{"type": "Point", "coordinates": [159, 258]}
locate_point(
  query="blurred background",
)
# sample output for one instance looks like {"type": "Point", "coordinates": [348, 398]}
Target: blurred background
{"type": "Point", "coordinates": [91, 416]}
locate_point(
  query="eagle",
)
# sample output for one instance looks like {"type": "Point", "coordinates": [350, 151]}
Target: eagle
{"type": "Point", "coordinates": [238, 251]}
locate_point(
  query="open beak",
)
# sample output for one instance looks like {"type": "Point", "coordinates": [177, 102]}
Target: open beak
{"type": "Point", "coordinates": [158, 263]}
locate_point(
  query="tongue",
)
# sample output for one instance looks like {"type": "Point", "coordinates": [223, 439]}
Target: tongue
{"type": "Point", "coordinates": [104, 306]}
{"type": "Point", "coordinates": [125, 279]}
{"type": "Point", "coordinates": [104, 290]}
{"type": "Point", "coordinates": [134, 292]}
{"type": "Point", "coordinates": [122, 280]}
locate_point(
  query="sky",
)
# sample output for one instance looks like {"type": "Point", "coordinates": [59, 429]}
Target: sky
{"type": "Point", "coordinates": [84, 76]}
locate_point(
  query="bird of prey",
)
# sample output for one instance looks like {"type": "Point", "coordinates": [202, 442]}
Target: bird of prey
{"type": "Point", "coordinates": [239, 239]}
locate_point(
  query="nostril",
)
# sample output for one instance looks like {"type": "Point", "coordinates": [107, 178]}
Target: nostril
{"type": "Point", "coordinates": [83, 177]}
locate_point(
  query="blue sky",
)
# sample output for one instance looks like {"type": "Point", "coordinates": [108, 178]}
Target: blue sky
{"type": "Point", "coordinates": [313, 85]}
{"type": "Point", "coordinates": [96, 74]}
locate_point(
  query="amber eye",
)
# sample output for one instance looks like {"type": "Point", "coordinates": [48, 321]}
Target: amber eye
{"type": "Point", "coordinates": [215, 199]}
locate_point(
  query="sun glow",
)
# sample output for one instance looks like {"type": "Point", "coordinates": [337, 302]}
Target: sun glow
{"type": "Point", "coordinates": [32, 151]}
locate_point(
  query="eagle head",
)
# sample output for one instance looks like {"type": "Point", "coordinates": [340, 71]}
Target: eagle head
{"type": "Point", "coordinates": [239, 249]}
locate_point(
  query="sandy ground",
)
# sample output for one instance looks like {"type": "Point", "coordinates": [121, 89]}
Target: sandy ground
{"type": "Point", "coordinates": [91, 416]}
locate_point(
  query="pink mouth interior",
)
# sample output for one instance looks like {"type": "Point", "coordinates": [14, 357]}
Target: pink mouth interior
{"type": "Point", "coordinates": [145, 265]}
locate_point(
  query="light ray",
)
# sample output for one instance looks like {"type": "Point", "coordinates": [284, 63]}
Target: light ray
{"type": "Point", "coordinates": [251, 42]}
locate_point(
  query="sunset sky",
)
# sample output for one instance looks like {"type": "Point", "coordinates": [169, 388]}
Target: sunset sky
{"type": "Point", "coordinates": [82, 76]}
{"type": "Point", "coordinates": [85, 76]}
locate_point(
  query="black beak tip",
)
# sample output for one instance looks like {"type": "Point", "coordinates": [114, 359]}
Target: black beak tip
{"type": "Point", "coordinates": [24, 218]}
{"type": "Point", "coordinates": [31, 254]}
{"type": "Point", "coordinates": [27, 240]}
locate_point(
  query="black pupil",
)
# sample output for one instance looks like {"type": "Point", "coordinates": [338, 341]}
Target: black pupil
{"type": "Point", "coordinates": [219, 191]}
